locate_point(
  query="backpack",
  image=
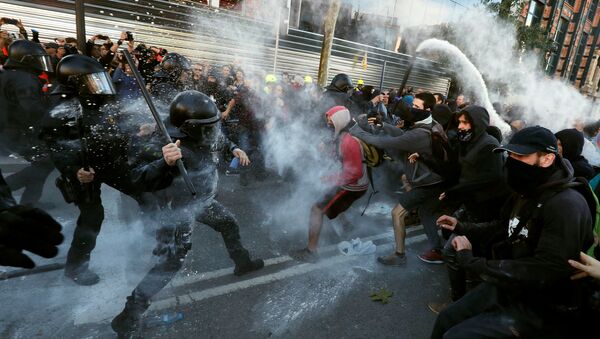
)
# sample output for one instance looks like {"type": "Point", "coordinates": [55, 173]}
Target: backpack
{"type": "Point", "coordinates": [442, 161]}
{"type": "Point", "coordinates": [373, 156]}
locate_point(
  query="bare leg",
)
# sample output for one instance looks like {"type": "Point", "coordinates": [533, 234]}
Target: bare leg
{"type": "Point", "coordinates": [398, 215]}
{"type": "Point", "coordinates": [314, 230]}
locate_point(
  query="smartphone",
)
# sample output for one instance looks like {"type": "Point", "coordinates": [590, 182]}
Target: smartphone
{"type": "Point", "coordinates": [99, 42]}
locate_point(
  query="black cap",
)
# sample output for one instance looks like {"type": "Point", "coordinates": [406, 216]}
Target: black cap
{"type": "Point", "coordinates": [530, 140]}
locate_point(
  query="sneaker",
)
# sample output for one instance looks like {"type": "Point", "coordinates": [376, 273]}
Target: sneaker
{"type": "Point", "coordinates": [83, 278]}
{"type": "Point", "coordinates": [305, 255]}
{"type": "Point", "coordinates": [394, 259]}
{"type": "Point", "coordinates": [250, 266]}
{"type": "Point", "coordinates": [232, 171]}
{"type": "Point", "coordinates": [437, 307]}
{"type": "Point", "coordinates": [432, 257]}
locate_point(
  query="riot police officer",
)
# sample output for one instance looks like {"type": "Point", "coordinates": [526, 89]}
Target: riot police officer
{"type": "Point", "coordinates": [23, 104]}
{"type": "Point", "coordinates": [339, 93]}
{"type": "Point", "coordinates": [89, 148]}
{"type": "Point", "coordinates": [171, 78]}
{"type": "Point", "coordinates": [194, 122]}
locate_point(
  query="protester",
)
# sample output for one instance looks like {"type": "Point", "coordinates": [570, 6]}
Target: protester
{"type": "Point", "coordinates": [527, 280]}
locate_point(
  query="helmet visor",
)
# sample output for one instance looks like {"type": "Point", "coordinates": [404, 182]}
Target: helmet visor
{"type": "Point", "coordinates": [96, 83]}
{"type": "Point", "coordinates": [205, 134]}
{"type": "Point", "coordinates": [40, 62]}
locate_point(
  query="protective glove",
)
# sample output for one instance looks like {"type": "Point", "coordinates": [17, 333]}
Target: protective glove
{"type": "Point", "coordinates": [30, 229]}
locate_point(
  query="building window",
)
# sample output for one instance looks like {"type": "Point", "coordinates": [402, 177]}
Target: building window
{"type": "Point", "coordinates": [534, 15]}
{"type": "Point", "coordinates": [577, 63]}
{"type": "Point", "coordinates": [592, 11]}
{"type": "Point", "coordinates": [559, 41]}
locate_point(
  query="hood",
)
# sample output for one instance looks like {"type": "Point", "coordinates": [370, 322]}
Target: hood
{"type": "Point", "coordinates": [480, 119]}
{"type": "Point", "coordinates": [572, 143]}
{"type": "Point", "coordinates": [442, 114]}
{"type": "Point", "coordinates": [563, 174]}
{"type": "Point", "coordinates": [340, 116]}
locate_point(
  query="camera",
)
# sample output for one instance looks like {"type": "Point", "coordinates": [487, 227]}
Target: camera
{"type": "Point", "coordinates": [9, 21]}
{"type": "Point", "coordinates": [129, 36]}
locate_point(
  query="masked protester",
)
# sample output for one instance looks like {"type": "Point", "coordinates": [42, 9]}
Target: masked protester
{"type": "Point", "coordinates": [426, 184]}
{"type": "Point", "coordinates": [570, 147]}
{"type": "Point", "coordinates": [339, 93]}
{"type": "Point", "coordinates": [25, 228]}
{"type": "Point", "coordinates": [526, 282]}
{"type": "Point", "coordinates": [23, 104]}
{"type": "Point", "coordinates": [194, 122]}
{"type": "Point", "coordinates": [480, 187]}
{"type": "Point", "coordinates": [347, 187]}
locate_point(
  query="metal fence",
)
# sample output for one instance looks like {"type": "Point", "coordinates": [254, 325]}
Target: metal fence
{"type": "Point", "coordinates": [203, 33]}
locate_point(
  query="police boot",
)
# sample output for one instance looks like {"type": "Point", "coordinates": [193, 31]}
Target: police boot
{"type": "Point", "coordinates": [243, 263]}
{"type": "Point", "coordinates": [81, 275]}
{"type": "Point", "coordinates": [128, 321]}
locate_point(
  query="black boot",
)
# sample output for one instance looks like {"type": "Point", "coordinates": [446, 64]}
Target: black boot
{"type": "Point", "coordinates": [128, 321]}
{"type": "Point", "coordinates": [249, 266]}
{"type": "Point", "coordinates": [82, 275]}
{"type": "Point", "coordinates": [243, 264]}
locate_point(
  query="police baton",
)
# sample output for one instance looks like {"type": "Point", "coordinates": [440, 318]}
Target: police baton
{"type": "Point", "coordinates": [159, 122]}
{"type": "Point", "coordinates": [407, 74]}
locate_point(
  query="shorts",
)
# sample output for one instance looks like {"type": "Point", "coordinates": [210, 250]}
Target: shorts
{"type": "Point", "coordinates": [338, 200]}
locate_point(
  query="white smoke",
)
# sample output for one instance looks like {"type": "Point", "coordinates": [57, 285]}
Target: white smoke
{"type": "Point", "coordinates": [469, 76]}
{"type": "Point", "coordinates": [490, 44]}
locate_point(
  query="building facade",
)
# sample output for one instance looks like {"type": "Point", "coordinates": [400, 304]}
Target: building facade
{"type": "Point", "coordinates": [573, 26]}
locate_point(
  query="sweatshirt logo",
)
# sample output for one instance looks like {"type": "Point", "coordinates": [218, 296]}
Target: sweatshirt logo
{"type": "Point", "coordinates": [512, 226]}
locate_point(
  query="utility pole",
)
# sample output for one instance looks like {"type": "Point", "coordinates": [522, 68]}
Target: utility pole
{"type": "Point", "coordinates": [80, 24]}
{"type": "Point", "coordinates": [329, 30]}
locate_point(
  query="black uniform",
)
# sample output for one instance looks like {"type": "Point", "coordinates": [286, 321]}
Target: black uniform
{"type": "Point", "coordinates": [200, 156]}
{"type": "Point", "coordinates": [22, 107]}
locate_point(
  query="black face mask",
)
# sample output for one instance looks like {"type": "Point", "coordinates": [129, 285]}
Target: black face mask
{"type": "Point", "coordinates": [465, 135]}
{"type": "Point", "coordinates": [525, 179]}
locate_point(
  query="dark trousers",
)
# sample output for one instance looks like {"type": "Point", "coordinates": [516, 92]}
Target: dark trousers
{"type": "Point", "coordinates": [89, 222]}
{"type": "Point", "coordinates": [487, 312]}
{"type": "Point", "coordinates": [174, 241]}
{"type": "Point", "coordinates": [32, 178]}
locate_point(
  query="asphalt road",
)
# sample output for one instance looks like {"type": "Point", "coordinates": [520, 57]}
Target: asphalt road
{"type": "Point", "coordinates": [286, 299]}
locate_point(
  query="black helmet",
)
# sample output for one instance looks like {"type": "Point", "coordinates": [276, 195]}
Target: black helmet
{"type": "Point", "coordinates": [196, 116]}
{"type": "Point", "coordinates": [341, 83]}
{"type": "Point", "coordinates": [28, 54]}
{"type": "Point", "coordinates": [172, 65]}
{"type": "Point", "coordinates": [81, 74]}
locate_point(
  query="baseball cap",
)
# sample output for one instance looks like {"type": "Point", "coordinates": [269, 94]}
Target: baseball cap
{"type": "Point", "coordinates": [530, 140]}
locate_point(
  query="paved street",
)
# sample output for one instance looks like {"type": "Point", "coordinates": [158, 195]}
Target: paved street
{"type": "Point", "coordinates": [286, 299]}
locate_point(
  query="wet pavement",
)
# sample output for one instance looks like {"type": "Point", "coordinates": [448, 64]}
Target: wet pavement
{"type": "Point", "coordinates": [286, 299]}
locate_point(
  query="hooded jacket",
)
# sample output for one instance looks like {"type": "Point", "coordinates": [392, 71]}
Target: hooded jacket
{"type": "Point", "coordinates": [537, 271]}
{"type": "Point", "coordinates": [401, 143]}
{"type": "Point", "coordinates": [572, 146]}
{"type": "Point", "coordinates": [353, 176]}
{"type": "Point", "coordinates": [481, 170]}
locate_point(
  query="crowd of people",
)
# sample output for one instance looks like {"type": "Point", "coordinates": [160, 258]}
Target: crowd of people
{"type": "Point", "coordinates": [513, 217]}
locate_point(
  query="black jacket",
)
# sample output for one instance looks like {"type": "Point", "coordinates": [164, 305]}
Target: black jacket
{"type": "Point", "coordinates": [481, 170]}
{"type": "Point", "coordinates": [6, 198]}
{"type": "Point", "coordinates": [534, 262]}
{"type": "Point", "coordinates": [200, 162]}
{"type": "Point", "coordinates": [22, 107]}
